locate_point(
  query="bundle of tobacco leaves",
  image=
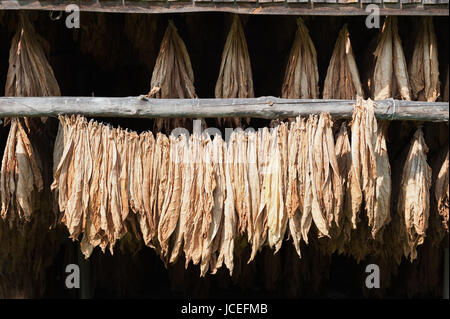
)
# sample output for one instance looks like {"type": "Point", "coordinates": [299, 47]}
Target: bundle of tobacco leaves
{"type": "Point", "coordinates": [97, 170]}
{"type": "Point", "coordinates": [26, 207]}
{"type": "Point", "coordinates": [371, 164]}
{"type": "Point", "coordinates": [351, 188]}
{"type": "Point", "coordinates": [275, 186]}
{"type": "Point", "coordinates": [235, 78]}
{"type": "Point", "coordinates": [342, 80]}
{"type": "Point", "coordinates": [323, 186]}
{"type": "Point", "coordinates": [172, 76]}
{"type": "Point", "coordinates": [389, 78]}
{"type": "Point", "coordinates": [424, 65]}
{"type": "Point", "coordinates": [214, 203]}
{"type": "Point", "coordinates": [29, 74]}
{"type": "Point", "coordinates": [414, 200]}
{"type": "Point", "coordinates": [301, 77]}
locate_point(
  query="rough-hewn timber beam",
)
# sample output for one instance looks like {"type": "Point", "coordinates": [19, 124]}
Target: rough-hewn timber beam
{"type": "Point", "coordinates": [283, 8]}
{"type": "Point", "coordinates": [262, 107]}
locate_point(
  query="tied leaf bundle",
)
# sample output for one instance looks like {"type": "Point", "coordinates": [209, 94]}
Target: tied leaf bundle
{"type": "Point", "coordinates": [301, 77]}
{"type": "Point", "coordinates": [390, 77]}
{"type": "Point", "coordinates": [235, 78]}
{"type": "Point", "coordinates": [29, 239]}
{"type": "Point", "coordinates": [414, 200]}
{"type": "Point", "coordinates": [424, 66]}
{"type": "Point", "coordinates": [371, 165]}
{"type": "Point", "coordinates": [342, 80]}
{"type": "Point", "coordinates": [172, 77]}
{"type": "Point", "coordinates": [29, 74]}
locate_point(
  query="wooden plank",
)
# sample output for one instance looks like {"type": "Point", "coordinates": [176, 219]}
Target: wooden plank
{"type": "Point", "coordinates": [296, 1]}
{"type": "Point", "coordinates": [116, 6]}
{"type": "Point", "coordinates": [262, 107]}
{"type": "Point", "coordinates": [411, 1]}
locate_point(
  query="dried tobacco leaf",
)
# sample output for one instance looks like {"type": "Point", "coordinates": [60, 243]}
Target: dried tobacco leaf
{"type": "Point", "coordinates": [342, 80]}
{"type": "Point", "coordinates": [351, 186]}
{"type": "Point", "coordinates": [235, 78]}
{"type": "Point", "coordinates": [293, 202]}
{"type": "Point", "coordinates": [29, 74]}
{"type": "Point", "coordinates": [30, 239]}
{"type": "Point", "coordinates": [424, 65]}
{"type": "Point", "coordinates": [172, 201]}
{"type": "Point", "coordinates": [301, 76]}
{"type": "Point", "coordinates": [414, 199]}
{"type": "Point", "coordinates": [274, 201]}
{"type": "Point", "coordinates": [229, 229]}
{"type": "Point", "coordinates": [260, 222]}
{"type": "Point", "coordinates": [172, 76]}
{"type": "Point", "coordinates": [371, 165]}
{"type": "Point", "coordinates": [390, 76]}
{"type": "Point", "coordinates": [214, 237]}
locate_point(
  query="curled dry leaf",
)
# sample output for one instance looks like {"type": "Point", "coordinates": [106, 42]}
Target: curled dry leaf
{"type": "Point", "coordinates": [414, 199]}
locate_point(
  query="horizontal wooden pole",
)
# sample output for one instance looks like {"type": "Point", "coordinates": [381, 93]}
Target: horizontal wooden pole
{"type": "Point", "coordinates": [282, 8]}
{"type": "Point", "coordinates": [262, 107]}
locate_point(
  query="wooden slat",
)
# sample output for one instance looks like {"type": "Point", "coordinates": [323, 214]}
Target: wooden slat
{"type": "Point", "coordinates": [263, 107]}
{"type": "Point", "coordinates": [240, 8]}
{"type": "Point", "coordinates": [411, 1]}
{"type": "Point", "coordinates": [297, 1]}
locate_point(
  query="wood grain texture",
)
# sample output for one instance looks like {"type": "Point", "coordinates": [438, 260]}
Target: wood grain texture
{"type": "Point", "coordinates": [262, 107]}
{"type": "Point", "coordinates": [433, 8]}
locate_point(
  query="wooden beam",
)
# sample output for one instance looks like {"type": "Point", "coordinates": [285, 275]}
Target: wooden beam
{"type": "Point", "coordinates": [280, 8]}
{"type": "Point", "coordinates": [262, 107]}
